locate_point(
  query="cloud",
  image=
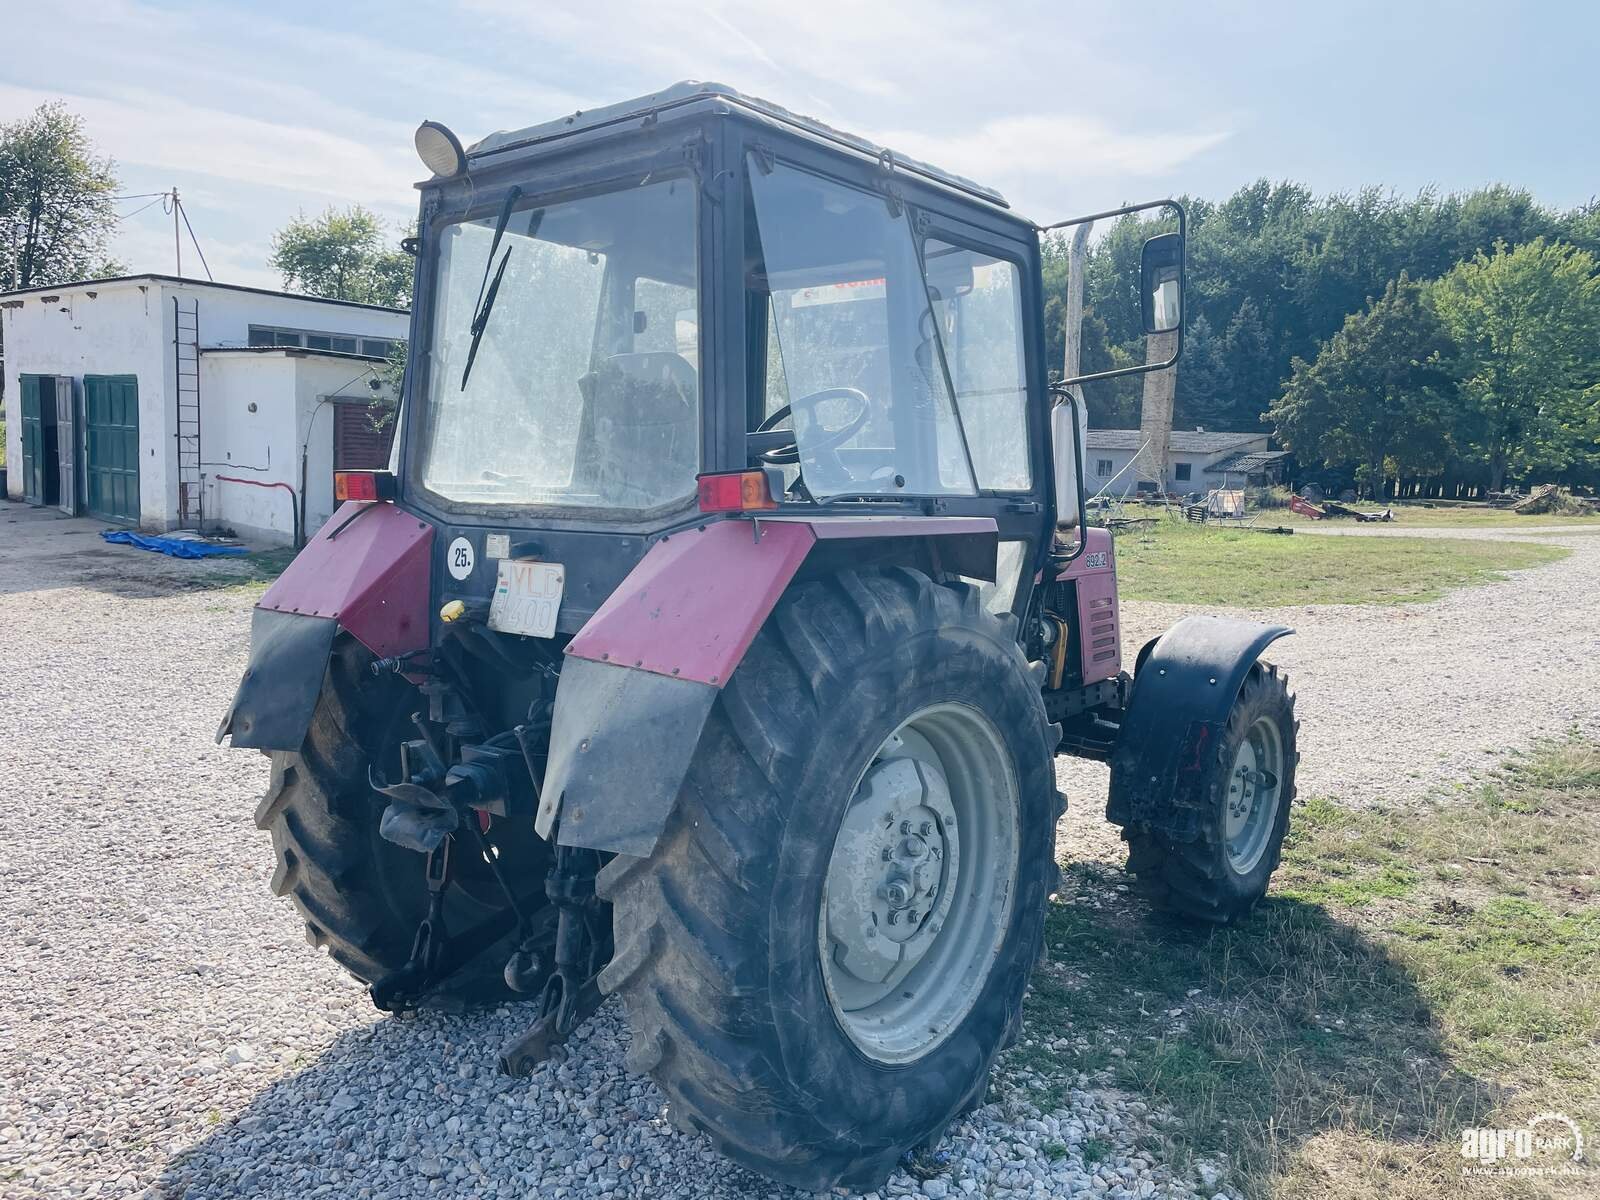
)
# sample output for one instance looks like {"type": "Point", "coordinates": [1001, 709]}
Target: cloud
{"type": "Point", "coordinates": [1046, 158]}
{"type": "Point", "coordinates": [155, 129]}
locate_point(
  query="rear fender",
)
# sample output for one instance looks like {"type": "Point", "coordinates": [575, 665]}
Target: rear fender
{"type": "Point", "coordinates": [641, 676]}
{"type": "Point", "coordinates": [1184, 689]}
{"type": "Point", "coordinates": [365, 572]}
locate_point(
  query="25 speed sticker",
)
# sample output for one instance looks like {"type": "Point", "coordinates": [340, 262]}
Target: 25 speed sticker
{"type": "Point", "coordinates": [459, 558]}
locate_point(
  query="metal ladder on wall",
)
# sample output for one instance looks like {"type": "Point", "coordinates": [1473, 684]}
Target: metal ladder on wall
{"type": "Point", "coordinates": [186, 363]}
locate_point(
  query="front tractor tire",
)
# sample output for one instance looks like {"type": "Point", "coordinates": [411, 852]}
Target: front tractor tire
{"type": "Point", "coordinates": [831, 941]}
{"type": "Point", "coordinates": [1246, 792]}
{"type": "Point", "coordinates": [362, 897]}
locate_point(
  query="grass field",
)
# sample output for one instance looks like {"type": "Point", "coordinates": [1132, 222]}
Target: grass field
{"type": "Point", "coordinates": [1412, 974]}
{"type": "Point", "coordinates": [1193, 564]}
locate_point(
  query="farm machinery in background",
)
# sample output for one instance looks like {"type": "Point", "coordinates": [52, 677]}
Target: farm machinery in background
{"type": "Point", "coordinates": [712, 639]}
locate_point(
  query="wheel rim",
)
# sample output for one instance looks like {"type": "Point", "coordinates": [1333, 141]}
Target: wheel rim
{"type": "Point", "coordinates": [920, 884]}
{"type": "Point", "coordinates": [1255, 787]}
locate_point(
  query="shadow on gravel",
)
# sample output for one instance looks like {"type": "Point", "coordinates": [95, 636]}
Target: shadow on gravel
{"type": "Point", "coordinates": [1258, 1038]}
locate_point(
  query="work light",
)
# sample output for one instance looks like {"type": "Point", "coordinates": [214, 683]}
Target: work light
{"type": "Point", "coordinates": [440, 150]}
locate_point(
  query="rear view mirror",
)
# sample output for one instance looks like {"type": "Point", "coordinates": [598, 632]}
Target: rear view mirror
{"type": "Point", "coordinates": [1161, 283]}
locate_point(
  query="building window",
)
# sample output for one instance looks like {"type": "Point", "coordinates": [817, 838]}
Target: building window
{"type": "Point", "coordinates": [1181, 471]}
{"type": "Point", "coordinates": [1102, 467]}
{"type": "Point", "coordinates": [272, 335]}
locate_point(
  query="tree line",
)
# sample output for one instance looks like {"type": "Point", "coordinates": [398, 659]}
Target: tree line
{"type": "Point", "coordinates": [1434, 337]}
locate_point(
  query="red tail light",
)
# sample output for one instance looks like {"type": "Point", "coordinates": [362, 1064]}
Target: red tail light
{"type": "Point", "coordinates": [736, 491]}
{"type": "Point", "coordinates": [363, 485]}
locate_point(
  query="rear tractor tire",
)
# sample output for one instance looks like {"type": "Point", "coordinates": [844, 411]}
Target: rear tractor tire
{"type": "Point", "coordinates": [362, 897]}
{"type": "Point", "coordinates": [832, 939]}
{"type": "Point", "coordinates": [1248, 789]}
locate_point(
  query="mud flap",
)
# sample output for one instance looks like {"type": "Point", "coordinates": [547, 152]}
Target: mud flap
{"type": "Point", "coordinates": [1183, 691]}
{"type": "Point", "coordinates": [620, 747]}
{"type": "Point", "coordinates": [288, 655]}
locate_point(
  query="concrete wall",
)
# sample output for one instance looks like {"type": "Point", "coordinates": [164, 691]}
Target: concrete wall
{"type": "Point", "coordinates": [253, 460]}
{"type": "Point", "coordinates": [127, 328]}
{"type": "Point", "coordinates": [113, 330]}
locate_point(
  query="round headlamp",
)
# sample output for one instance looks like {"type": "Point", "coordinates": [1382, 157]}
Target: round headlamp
{"type": "Point", "coordinates": [440, 150]}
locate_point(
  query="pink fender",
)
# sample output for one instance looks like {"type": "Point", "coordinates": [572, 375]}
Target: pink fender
{"type": "Point", "coordinates": [692, 607]}
{"type": "Point", "coordinates": [367, 569]}
{"type": "Point", "coordinates": [642, 674]}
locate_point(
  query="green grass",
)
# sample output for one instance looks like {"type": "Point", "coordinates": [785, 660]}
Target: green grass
{"type": "Point", "coordinates": [1181, 563]}
{"type": "Point", "coordinates": [1412, 973]}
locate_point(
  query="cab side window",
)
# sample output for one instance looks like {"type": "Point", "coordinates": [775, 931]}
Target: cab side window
{"type": "Point", "coordinates": [977, 299]}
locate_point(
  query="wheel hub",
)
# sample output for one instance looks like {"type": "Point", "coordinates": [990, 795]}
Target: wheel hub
{"type": "Point", "coordinates": [1250, 808]}
{"type": "Point", "coordinates": [886, 893]}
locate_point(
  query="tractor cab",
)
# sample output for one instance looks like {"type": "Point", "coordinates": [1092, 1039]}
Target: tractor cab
{"type": "Point", "coordinates": [620, 314]}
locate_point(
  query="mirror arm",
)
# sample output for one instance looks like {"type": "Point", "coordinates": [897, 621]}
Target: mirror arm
{"type": "Point", "coordinates": [1183, 232]}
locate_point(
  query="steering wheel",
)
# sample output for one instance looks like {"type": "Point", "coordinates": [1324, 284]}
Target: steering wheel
{"type": "Point", "coordinates": [828, 439]}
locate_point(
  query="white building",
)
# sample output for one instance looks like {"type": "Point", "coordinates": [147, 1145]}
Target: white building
{"type": "Point", "coordinates": [1197, 461]}
{"type": "Point", "coordinates": [170, 403]}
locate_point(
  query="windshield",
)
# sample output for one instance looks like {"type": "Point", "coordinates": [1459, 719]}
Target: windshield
{"type": "Point", "coordinates": [853, 342]}
{"type": "Point", "coordinates": [584, 387]}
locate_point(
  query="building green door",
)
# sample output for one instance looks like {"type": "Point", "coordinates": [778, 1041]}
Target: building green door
{"type": "Point", "coordinates": [32, 442]}
{"type": "Point", "coordinates": [111, 444]}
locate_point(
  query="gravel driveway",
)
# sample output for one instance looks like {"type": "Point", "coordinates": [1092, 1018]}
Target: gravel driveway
{"type": "Point", "coordinates": [164, 1027]}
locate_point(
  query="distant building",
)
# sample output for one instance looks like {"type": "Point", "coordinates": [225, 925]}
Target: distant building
{"type": "Point", "coordinates": [1197, 461]}
{"type": "Point", "coordinates": [169, 403]}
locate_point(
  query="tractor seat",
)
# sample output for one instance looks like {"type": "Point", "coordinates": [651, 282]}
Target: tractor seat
{"type": "Point", "coordinates": [642, 433]}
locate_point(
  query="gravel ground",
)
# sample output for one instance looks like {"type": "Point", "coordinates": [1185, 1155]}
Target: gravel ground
{"type": "Point", "coordinates": [165, 1030]}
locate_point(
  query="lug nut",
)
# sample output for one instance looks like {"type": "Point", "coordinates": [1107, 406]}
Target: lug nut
{"type": "Point", "coordinates": [927, 828]}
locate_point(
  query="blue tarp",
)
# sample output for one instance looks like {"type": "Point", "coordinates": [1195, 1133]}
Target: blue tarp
{"type": "Point", "coordinates": [178, 547]}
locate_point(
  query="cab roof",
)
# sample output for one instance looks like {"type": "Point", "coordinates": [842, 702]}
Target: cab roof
{"type": "Point", "coordinates": [691, 92]}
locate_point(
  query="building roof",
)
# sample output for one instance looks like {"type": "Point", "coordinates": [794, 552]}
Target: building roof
{"type": "Point", "coordinates": [1247, 463]}
{"type": "Point", "coordinates": [294, 352]}
{"type": "Point", "coordinates": [1190, 441]}
{"type": "Point", "coordinates": [688, 92]}
{"type": "Point", "coordinates": [201, 283]}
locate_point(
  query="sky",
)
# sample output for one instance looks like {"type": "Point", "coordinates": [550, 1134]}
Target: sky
{"type": "Point", "coordinates": [258, 111]}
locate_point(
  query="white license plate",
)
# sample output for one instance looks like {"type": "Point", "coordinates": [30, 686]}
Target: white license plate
{"type": "Point", "coordinates": [527, 597]}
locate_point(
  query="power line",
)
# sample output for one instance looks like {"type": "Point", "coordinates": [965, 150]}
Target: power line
{"type": "Point", "coordinates": [142, 207]}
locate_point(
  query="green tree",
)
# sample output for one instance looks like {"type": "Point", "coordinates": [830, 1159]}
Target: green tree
{"type": "Point", "coordinates": [343, 256]}
{"type": "Point", "coordinates": [1528, 323]}
{"type": "Point", "coordinates": [1205, 392]}
{"type": "Point", "coordinates": [1379, 394]}
{"type": "Point", "coordinates": [56, 211]}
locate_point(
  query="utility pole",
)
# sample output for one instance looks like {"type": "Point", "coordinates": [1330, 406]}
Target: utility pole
{"type": "Point", "coordinates": [1155, 411]}
{"type": "Point", "coordinates": [177, 244]}
{"type": "Point", "coordinates": [1077, 256]}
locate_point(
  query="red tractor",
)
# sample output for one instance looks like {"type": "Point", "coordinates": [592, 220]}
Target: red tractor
{"type": "Point", "coordinates": [711, 641]}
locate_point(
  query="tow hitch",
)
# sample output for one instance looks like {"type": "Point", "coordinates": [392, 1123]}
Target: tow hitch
{"type": "Point", "coordinates": [583, 947]}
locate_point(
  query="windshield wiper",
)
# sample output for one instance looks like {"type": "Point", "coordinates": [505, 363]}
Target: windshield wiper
{"type": "Point", "coordinates": [487, 291]}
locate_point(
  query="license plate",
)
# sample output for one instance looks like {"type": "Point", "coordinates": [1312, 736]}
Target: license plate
{"type": "Point", "coordinates": [527, 597]}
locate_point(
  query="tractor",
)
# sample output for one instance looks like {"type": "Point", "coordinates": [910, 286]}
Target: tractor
{"type": "Point", "coordinates": [711, 637]}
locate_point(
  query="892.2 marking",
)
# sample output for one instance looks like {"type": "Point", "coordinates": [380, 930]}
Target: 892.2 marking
{"type": "Point", "coordinates": [459, 558]}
